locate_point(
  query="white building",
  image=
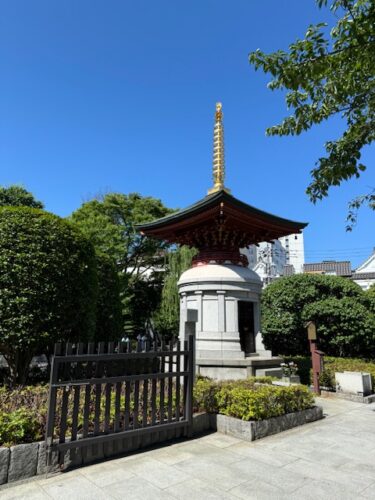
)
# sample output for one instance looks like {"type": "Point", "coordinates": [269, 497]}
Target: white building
{"type": "Point", "coordinates": [284, 256]}
{"type": "Point", "coordinates": [295, 251]}
{"type": "Point", "coordinates": [364, 275]}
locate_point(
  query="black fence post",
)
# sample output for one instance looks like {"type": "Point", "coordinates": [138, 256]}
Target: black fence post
{"type": "Point", "coordinates": [190, 387]}
{"type": "Point", "coordinates": [52, 405]}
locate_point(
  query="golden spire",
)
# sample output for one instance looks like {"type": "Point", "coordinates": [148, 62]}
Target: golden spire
{"type": "Point", "coordinates": [218, 170]}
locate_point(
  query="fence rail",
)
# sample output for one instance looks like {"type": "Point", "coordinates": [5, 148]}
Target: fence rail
{"type": "Point", "coordinates": [106, 392]}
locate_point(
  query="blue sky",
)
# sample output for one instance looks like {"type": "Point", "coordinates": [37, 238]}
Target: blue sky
{"type": "Point", "coordinates": [99, 96]}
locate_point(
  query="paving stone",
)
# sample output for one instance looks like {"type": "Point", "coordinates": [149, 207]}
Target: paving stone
{"type": "Point", "coordinates": [258, 490]}
{"type": "Point", "coordinates": [196, 488]}
{"type": "Point", "coordinates": [282, 479]}
{"type": "Point", "coordinates": [23, 461]}
{"type": "Point", "coordinates": [171, 457]}
{"type": "Point", "coordinates": [4, 464]}
{"type": "Point", "coordinates": [29, 491]}
{"type": "Point", "coordinates": [324, 489]}
{"type": "Point", "coordinates": [155, 472]}
{"type": "Point", "coordinates": [222, 476]}
{"type": "Point", "coordinates": [271, 457]}
{"type": "Point", "coordinates": [137, 489]}
{"type": "Point", "coordinates": [73, 487]}
{"type": "Point", "coordinates": [106, 473]}
{"type": "Point", "coordinates": [365, 468]}
{"type": "Point", "coordinates": [220, 440]}
{"type": "Point", "coordinates": [369, 492]}
{"type": "Point", "coordinates": [213, 454]}
{"type": "Point", "coordinates": [321, 472]}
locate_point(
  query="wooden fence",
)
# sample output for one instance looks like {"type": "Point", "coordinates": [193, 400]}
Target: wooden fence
{"type": "Point", "coordinates": [106, 392]}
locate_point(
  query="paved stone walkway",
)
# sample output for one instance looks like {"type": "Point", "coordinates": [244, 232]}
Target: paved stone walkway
{"type": "Point", "coordinates": [330, 459]}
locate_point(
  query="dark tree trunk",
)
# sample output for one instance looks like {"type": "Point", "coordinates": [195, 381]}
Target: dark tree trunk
{"type": "Point", "coordinates": [19, 366]}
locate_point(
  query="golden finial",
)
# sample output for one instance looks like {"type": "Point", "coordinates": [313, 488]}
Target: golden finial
{"type": "Point", "coordinates": [218, 159]}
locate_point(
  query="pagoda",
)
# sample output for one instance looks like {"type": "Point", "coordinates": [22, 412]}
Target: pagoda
{"type": "Point", "coordinates": [220, 285]}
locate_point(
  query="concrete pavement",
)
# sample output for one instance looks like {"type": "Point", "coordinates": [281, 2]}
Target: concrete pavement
{"type": "Point", "coordinates": [331, 459]}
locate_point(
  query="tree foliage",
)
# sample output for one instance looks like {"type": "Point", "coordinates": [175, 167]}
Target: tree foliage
{"type": "Point", "coordinates": [341, 310]}
{"type": "Point", "coordinates": [48, 285]}
{"type": "Point", "coordinates": [108, 305]}
{"type": "Point", "coordinates": [325, 74]}
{"type": "Point", "coordinates": [370, 293]}
{"type": "Point", "coordinates": [168, 314]}
{"type": "Point", "coordinates": [17, 196]}
{"type": "Point", "coordinates": [110, 223]}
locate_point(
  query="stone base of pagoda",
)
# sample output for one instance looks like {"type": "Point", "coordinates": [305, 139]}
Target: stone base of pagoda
{"type": "Point", "coordinates": [239, 369]}
{"type": "Point", "coordinates": [227, 300]}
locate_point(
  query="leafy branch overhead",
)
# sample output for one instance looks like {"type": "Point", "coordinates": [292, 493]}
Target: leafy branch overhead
{"type": "Point", "coordinates": [325, 74]}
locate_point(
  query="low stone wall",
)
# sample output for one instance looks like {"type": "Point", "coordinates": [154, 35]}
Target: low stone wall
{"type": "Point", "coordinates": [249, 431]}
{"type": "Point", "coordinates": [27, 460]}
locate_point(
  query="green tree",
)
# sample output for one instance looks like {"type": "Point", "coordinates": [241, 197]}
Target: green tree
{"type": "Point", "coordinates": [345, 323]}
{"type": "Point", "coordinates": [370, 294]}
{"type": "Point", "coordinates": [324, 74]}
{"type": "Point", "coordinates": [168, 314]}
{"type": "Point", "coordinates": [108, 305]}
{"type": "Point", "coordinates": [17, 196]}
{"type": "Point", "coordinates": [48, 285]}
{"type": "Point", "coordinates": [110, 223]}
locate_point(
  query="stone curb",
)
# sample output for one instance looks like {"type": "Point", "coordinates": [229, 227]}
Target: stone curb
{"type": "Point", "coordinates": [252, 430]}
{"type": "Point", "coordinates": [349, 397]}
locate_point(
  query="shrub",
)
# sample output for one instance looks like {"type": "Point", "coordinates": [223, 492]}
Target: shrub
{"type": "Point", "coordinates": [331, 366]}
{"type": "Point", "coordinates": [263, 402]}
{"type": "Point", "coordinates": [345, 322]}
{"type": "Point", "coordinates": [48, 285]}
{"type": "Point", "coordinates": [250, 399]}
{"type": "Point", "coordinates": [19, 426]}
{"type": "Point", "coordinates": [204, 395]}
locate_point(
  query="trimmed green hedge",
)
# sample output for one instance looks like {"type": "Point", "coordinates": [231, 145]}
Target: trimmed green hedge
{"type": "Point", "coordinates": [251, 399]}
{"type": "Point", "coordinates": [48, 286]}
{"type": "Point", "coordinates": [332, 365]}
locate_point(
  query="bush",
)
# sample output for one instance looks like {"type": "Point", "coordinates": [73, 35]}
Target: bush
{"type": "Point", "coordinates": [23, 414]}
{"type": "Point", "coordinates": [48, 285]}
{"type": "Point", "coordinates": [250, 399]}
{"type": "Point", "coordinates": [19, 426]}
{"type": "Point", "coordinates": [263, 402]}
{"type": "Point", "coordinates": [331, 366]}
{"type": "Point", "coordinates": [341, 310]}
